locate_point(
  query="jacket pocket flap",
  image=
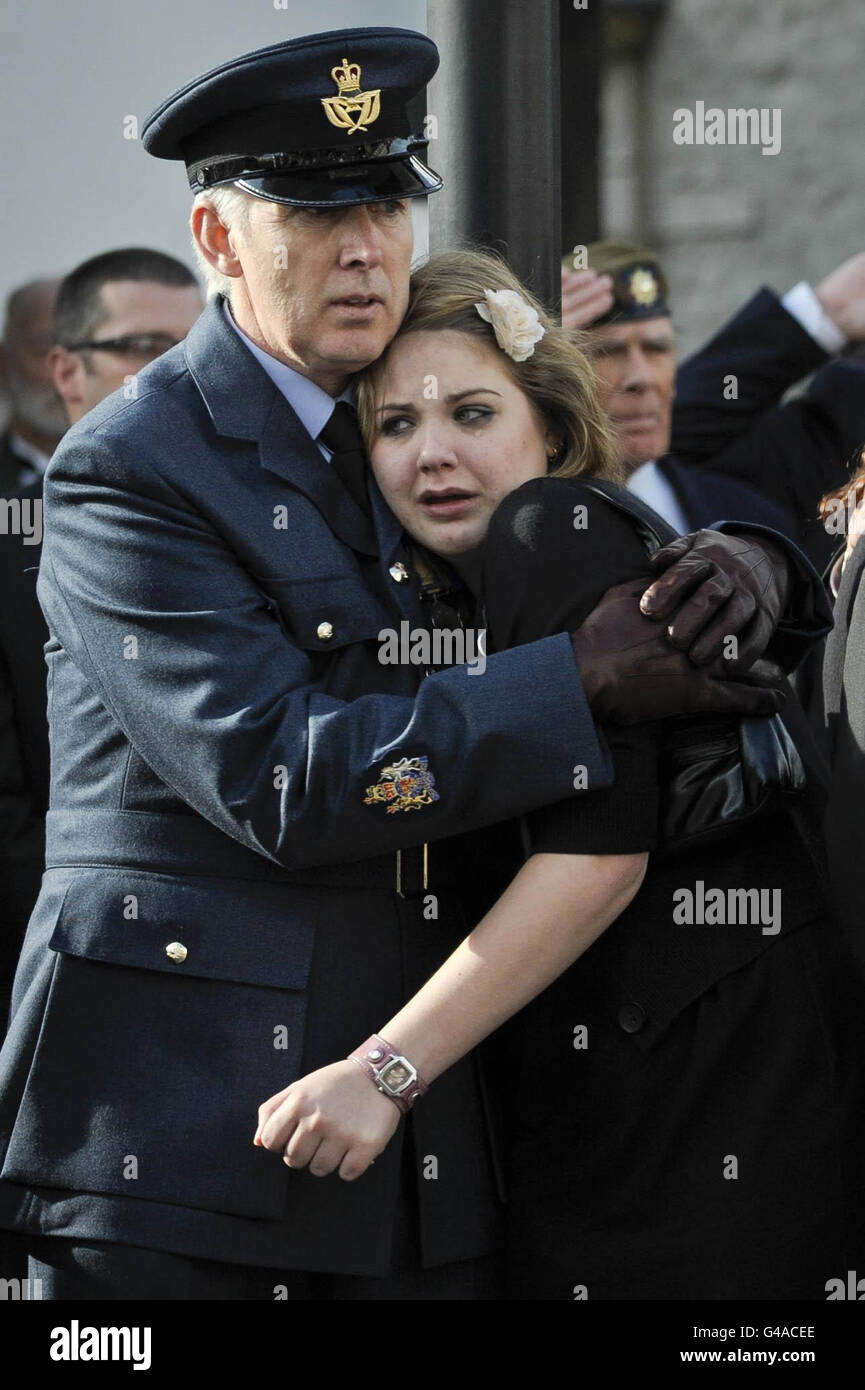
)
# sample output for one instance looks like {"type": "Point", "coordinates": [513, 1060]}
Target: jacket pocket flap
{"type": "Point", "coordinates": [218, 929]}
{"type": "Point", "coordinates": [324, 614]}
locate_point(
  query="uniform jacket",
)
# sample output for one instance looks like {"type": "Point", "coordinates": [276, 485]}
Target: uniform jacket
{"type": "Point", "coordinates": [751, 457]}
{"type": "Point", "coordinates": [220, 727]}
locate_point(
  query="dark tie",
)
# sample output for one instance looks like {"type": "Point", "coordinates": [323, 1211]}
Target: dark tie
{"type": "Point", "coordinates": [342, 436]}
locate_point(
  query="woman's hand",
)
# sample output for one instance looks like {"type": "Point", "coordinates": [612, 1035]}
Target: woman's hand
{"type": "Point", "coordinates": [331, 1119]}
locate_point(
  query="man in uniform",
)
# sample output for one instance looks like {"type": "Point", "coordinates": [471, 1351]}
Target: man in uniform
{"type": "Point", "coordinates": [112, 314]}
{"type": "Point", "coordinates": [232, 897]}
{"type": "Point", "coordinates": [710, 438]}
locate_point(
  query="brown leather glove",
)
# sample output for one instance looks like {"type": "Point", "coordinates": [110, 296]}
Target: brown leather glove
{"type": "Point", "coordinates": [722, 586]}
{"type": "Point", "coordinates": [631, 673]}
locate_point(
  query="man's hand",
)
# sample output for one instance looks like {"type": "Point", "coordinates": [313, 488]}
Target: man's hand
{"type": "Point", "coordinates": [842, 295]}
{"type": "Point", "coordinates": [331, 1119]}
{"type": "Point", "coordinates": [716, 587]}
{"type": "Point", "coordinates": [586, 295]}
{"type": "Point", "coordinates": [631, 673]}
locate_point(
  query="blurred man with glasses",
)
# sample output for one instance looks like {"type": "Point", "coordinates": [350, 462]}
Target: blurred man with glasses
{"type": "Point", "coordinates": [114, 314]}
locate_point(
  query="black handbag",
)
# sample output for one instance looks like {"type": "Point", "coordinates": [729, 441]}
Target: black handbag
{"type": "Point", "coordinates": [716, 773]}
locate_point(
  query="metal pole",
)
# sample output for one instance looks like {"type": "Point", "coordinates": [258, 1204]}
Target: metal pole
{"type": "Point", "coordinates": [581, 59]}
{"type": "Point", "coordinates": [495, 103]}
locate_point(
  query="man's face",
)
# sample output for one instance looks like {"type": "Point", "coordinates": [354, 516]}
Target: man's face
{"type": "Point", "coordinates": [636, 369]}
{"type": "Point", "coordinates": [33, 398]}
{"type": "Point", "coordinates": [149, 316]}
{"type": "Point", "coordinates": [324, 290]}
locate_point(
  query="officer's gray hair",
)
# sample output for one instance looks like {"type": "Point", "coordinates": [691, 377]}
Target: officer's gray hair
{"type": "Point", "coordinates": [231, 205]}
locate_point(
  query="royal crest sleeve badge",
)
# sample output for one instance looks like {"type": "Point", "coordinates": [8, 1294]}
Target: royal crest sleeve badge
{"type": "Point", "coordinates": [406, 786]}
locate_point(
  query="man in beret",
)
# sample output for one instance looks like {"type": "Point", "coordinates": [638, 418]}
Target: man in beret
{"type": "Point", "coordinates": [710, 438]}
{"type": "Point", "coordinates": [246, 867]}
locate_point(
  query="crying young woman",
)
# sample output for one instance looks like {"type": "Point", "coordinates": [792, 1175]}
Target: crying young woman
{"type": "Point", "coordinates": [682, 1094]}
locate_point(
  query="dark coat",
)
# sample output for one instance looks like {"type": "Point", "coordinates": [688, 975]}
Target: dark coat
{"type": "Point", "coordinates": [751, 457]}
{"type": "Point", "coordinates": [23, 742]}
{"type": "Point", "coordinates": [11, 466]}
{"type": "Point", "coordinates": [213, 751]}
{"type": "Point", "coordinates": [702, 1137]}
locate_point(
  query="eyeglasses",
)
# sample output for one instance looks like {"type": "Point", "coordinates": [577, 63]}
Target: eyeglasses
{"type": "Point", "coordinates": [133, 345]}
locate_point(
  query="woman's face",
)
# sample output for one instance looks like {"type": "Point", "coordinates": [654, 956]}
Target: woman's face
{"type": "Point", "coordinates": [454, 435]}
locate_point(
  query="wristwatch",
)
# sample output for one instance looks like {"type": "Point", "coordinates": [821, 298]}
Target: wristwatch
{"type": "Point", "coordinates": [392, 1073]}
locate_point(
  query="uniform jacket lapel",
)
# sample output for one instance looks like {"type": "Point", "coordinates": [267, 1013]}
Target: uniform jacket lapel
{"type": "Point", "coordinates": [243, 403]}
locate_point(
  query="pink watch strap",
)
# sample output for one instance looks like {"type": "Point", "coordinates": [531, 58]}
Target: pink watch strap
{"type": "Point", "coordinates": [391, 1072]}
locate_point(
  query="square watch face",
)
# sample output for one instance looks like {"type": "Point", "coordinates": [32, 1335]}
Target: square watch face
{"type": "Point", "coordinates": [396, 1075]}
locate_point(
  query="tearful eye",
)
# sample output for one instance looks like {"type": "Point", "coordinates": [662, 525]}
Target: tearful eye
{"type": "Point", "coordinates": [472, 414]}
{"type": "Point", "coordinates": [397, 424]}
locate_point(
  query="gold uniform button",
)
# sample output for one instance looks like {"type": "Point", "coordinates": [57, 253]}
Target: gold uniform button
{"type": "Point", "coordinates": [324, 632]}
{"type": "Point", "coordinates": [398, 573]}
{"type": "Point", "coordinates": [176, 951]}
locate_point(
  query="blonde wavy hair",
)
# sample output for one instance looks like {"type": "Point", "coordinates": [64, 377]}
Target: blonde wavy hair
{"type": "Point", "coordinates": [558, 378]}
{"type": "Point", "coordinates": [850, 493]}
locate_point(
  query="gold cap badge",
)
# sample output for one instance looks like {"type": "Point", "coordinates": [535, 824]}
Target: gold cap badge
{"type": "Point", "coordinates": [352, 110]}
{"type": "Point", "coordinates": [643, 287]}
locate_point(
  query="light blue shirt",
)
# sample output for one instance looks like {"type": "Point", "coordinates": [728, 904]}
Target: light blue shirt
{"type": "Point", "coordinates": [647, 483]}
{"type": "Point", "coordinates": [312, 406]}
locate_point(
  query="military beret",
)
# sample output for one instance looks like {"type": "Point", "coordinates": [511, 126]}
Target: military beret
{"type": "Point", "coordinates": [311, 121]}
{"type": "Point", "coordinates": [639, 284]}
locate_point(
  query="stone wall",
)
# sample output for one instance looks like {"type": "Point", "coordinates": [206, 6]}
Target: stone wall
{"type": "Point", "coordinates": [726, 217]}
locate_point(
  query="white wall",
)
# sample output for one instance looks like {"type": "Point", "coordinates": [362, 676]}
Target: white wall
{"type": "Point", "coordinates": [73, 186]}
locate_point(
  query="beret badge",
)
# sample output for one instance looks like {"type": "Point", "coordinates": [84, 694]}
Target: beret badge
{"type": "Point", "coordinates": [644, 287]}
{"type": "Point", "coordinates": [352, 110]}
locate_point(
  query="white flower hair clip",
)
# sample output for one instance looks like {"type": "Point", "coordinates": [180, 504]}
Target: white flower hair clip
{"type": "Point", "coordinates": [515, 323]}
